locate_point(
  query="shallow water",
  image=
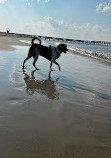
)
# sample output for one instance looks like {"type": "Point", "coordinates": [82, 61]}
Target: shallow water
{"type": "Point", "coordinates": [63, 114]}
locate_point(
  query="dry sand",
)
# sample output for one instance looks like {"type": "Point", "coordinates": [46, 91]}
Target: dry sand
{"type": "Point", "coordinates": [67, 116]}
{"type": "Point", "coordinates": [7, 42]}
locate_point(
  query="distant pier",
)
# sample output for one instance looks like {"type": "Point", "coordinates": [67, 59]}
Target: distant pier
{"type": "Point", "coordinates": [56, 39]}
{"type": "Point", "coordinates": [77, 41]}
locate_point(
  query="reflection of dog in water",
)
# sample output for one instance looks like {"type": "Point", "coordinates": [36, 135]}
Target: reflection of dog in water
{"type": "Point", "coordinates": [45, 87]}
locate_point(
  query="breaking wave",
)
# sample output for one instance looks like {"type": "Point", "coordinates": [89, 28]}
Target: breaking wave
{"type": "Point", "coordinates": [90, 53]}
{"type": "Point", "coordinates": [97, 55]}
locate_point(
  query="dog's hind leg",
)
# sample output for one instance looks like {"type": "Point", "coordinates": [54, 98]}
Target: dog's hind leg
{"type": "Point", "coordinates": [57, 65]}
{"type": "Point", "coordinates": [29, 56]}
{"type": "Point", "coordinates": [35, 60]}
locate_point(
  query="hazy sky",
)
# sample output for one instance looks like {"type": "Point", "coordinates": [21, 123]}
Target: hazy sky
{"type": "Point", "coordinates": [77, 19]}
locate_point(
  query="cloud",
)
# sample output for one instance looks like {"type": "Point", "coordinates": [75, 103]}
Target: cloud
{"type": "Point", "coordinates": [88, 32]}
{"type": "Point", "coordinates": [49, 26]}
{"type": "Point", "coordinates": [3, 1]}
{"type": "Point", "coordinates": [107, 8]}
{"type": "Point", "coordinates": [47, 18]}
{"type": "Point", "coordinates": [28, 2]}
{"type": "Point", "coordinates": [103, 7]}
{"type": "Point", "coordinates": [85, 32]}
{"type": "Point", "coordinates": [39, 27]}
{"type": "Point", "coordinates": [46, 1]}
{"type": "Point", "coordinates": [53, 22]}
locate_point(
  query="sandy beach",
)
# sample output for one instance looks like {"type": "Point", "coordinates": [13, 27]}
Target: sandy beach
{"type": "Point", "coordinates": [7, 42]}
{"type": "Point", "coordinates": [65, 116]}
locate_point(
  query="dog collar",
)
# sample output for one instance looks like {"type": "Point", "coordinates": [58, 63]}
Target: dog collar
{"type": "Point", "coordinates": [58, 51]}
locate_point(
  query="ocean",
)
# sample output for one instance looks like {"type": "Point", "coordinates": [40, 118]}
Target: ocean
{"type": "Point", "coordinates": [102, 52]}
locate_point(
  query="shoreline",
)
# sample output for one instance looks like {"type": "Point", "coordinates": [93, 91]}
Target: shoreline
{"type": "Point", "coordinates": [6, 43]}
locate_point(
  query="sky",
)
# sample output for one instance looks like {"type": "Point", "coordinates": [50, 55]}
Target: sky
{"type": "Point", "coordinates": [75, 19]}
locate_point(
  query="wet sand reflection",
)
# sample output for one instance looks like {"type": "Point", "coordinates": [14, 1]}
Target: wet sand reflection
{"type": "Point", "coordinates": [46, 87]}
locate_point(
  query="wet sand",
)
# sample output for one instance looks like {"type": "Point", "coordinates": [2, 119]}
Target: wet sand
{"type": "Point", "coordinates": [65, 116]}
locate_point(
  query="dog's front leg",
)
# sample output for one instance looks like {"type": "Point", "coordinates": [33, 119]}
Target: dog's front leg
{"type": "Point", "coordinates": [57, 65]}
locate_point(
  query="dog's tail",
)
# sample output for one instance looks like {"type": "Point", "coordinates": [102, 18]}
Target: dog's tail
{"type": "Point", "coordinates": [33, 39]}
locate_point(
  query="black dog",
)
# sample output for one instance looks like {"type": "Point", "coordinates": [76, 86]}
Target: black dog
{"type": "Point", "coordinates": [51, 53]}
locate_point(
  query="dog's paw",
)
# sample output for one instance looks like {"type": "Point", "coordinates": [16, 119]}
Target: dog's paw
{"type": "Point", "coordinates": [37, 69]}
{"type": "Point", "coordinates": [51, 70]}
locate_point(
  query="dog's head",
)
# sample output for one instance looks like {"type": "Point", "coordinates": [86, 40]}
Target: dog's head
{"type": "Point", "coordinates": [62, 48]}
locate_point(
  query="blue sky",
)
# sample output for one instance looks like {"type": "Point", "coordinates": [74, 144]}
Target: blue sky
{"type": "Point", "coordinates": [77, 19]}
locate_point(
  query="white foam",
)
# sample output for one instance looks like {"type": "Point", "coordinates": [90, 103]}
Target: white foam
{"type": "Point", "coordinates": [91, 53]}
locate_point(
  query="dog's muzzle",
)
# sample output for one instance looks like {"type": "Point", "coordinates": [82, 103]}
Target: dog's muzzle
{"type": "Point", "coordinates": [66, 50]}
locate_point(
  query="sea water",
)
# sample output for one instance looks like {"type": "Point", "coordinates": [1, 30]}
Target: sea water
{"type": "Point", "coordinates": [102, 52]}
{"type": "Point", "coordinates": [105, 49]}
